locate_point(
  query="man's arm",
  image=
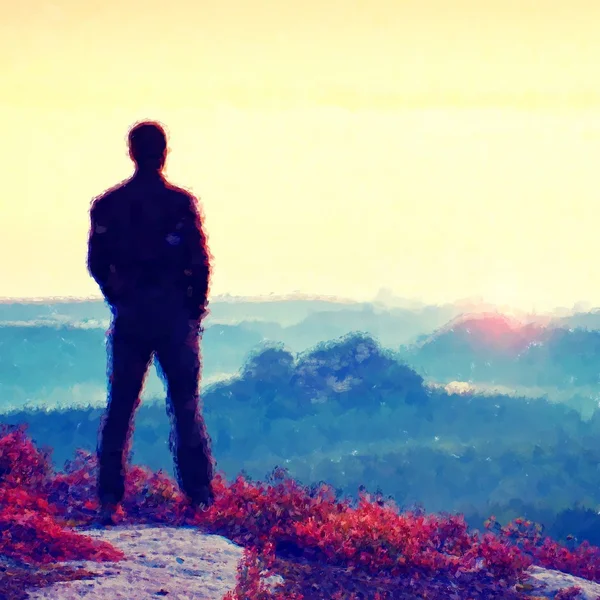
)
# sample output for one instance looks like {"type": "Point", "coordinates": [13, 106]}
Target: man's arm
{"type": "Point", "coordinates": [197, 268]}
{"type": "Point", "coordinates": [99, 259]}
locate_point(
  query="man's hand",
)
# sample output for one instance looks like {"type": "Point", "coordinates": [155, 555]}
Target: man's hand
{"type": "Point", "coordinates": [114, 285]}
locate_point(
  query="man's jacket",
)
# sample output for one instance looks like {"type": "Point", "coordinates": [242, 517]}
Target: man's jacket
{"type": "Point", "coordinates": [146, 241]}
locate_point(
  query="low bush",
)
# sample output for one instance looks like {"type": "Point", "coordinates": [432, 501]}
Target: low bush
{"type": "Point", "coordinates": [322, 547]}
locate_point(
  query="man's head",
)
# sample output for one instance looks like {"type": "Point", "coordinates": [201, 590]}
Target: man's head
{"type": "Point", "coordinates": [148, 146]}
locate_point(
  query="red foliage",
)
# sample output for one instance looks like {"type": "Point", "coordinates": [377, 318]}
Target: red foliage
{"type": "Point", "coordinates": [321, 547]}
{"type": "Point", "coordinates": [21, 463]}
{"type": "Point", "coordinates": [583, 562]}
{"type": "Point", "coordinates": [250, 581]}
{"type": "Point", "coordinates": [36, 538]}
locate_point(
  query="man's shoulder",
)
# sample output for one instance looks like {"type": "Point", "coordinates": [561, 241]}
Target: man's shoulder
{"type": "Point", "coordinates": [181, 194]}
{"type": "Point", "coordinates": [184, 201]}
{"type": "Point", "coordinates": [105, 200]}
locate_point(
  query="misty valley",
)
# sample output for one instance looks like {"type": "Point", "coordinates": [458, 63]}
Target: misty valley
{"type": "Point", "coordinates": [444, 408]}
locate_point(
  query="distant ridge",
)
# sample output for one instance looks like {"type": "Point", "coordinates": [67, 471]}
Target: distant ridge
{"type": "Point", "coordinates": [218, 298]}
{"type": "Point", "coordinates": [504, 324]}
{"type": "Point", "coordinates": [469, 306]}
{"type": "Point", "coordinates": [52, 300]}
{"type": "Point", "coordinates": [294, 297]}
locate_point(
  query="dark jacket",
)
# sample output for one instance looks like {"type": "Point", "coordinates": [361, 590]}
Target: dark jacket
{"type": "Point", "coordinates": [146, 241]}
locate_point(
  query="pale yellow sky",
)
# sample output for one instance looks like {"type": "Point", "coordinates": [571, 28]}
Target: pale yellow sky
{"type": "Point", "coordinates": [440, 149]}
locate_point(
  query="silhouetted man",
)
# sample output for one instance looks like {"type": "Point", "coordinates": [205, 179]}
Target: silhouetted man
{"type": "Point", "coordinates": [148, 253]}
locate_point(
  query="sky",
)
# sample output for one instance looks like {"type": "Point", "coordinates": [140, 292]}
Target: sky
{"type": "Point", "coordinates": [438, 149]}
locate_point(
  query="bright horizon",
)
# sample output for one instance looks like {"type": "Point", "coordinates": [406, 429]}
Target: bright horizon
{"type": "Point", "coordinates": [337, 148]}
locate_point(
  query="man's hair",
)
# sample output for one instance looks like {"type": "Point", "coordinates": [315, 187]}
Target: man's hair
{"type": "Point", "coordinates": [148, 144]}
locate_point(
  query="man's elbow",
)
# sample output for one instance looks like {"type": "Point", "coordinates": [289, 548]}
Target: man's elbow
{"type": "Point", "coordinates": [97, 268]}
{"type": "Point", "coordinates": [92, 265]}
{"type": "Point", "coordinates": [93, 261]}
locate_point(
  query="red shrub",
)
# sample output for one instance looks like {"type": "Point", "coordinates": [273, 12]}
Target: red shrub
{"type": "Point", "coordinates": [21, 463]}
{"type": "Point", "coordinates": [35, 538]}
{"type": "Point", "coordinates": [29, 532]}
{"type": "Point", "coordinates": [321, 547]}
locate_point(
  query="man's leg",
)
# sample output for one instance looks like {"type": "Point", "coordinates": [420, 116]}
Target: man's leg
{"type": "Point", "coordinates": [129, 355]}
{"type": "Point", "coordinates": [178, 355]}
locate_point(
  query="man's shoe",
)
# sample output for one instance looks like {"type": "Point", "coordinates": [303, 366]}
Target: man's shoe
{"type": "Point", "coordinates": [203, 499]}
{"type": "Point", "coordinates": [106, 515]}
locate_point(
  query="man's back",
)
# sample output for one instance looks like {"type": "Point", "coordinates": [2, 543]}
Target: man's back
{"type": "Point", "coordinates": [147, 240]}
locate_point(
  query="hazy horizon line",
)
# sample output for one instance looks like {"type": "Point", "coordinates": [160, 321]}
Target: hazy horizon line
{"type": "Point", "coordinates": [383, 297]}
